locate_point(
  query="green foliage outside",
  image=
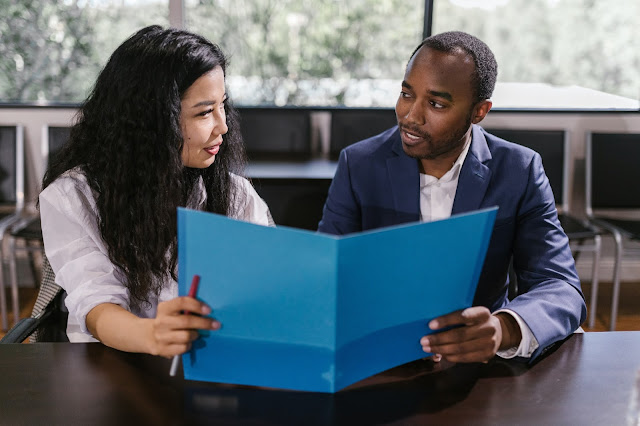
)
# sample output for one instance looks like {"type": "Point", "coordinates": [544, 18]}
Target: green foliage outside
{"type": "Point", "coordinates": [589, 43]}
{"type": "Point", "coordinates": [322, 52]}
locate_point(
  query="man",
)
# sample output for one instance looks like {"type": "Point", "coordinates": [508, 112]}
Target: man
{"type": "Point", "coordinates": [439, 162]}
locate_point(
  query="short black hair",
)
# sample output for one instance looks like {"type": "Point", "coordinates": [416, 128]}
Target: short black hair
{"type": "Point", "coordinates": [486, 72]}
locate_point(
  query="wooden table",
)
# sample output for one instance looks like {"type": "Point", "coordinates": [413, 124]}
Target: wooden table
{"type": "Point", "coordinates": [590, 379]}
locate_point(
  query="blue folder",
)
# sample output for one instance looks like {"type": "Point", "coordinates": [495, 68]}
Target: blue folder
{"type": "Point", "coordinates": [308, 311]}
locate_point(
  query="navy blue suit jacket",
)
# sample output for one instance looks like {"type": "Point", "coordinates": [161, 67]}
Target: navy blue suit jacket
{"type": "Point", "coordinates": [377, 185]}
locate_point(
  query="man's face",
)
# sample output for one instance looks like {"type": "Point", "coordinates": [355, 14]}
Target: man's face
{"type": "Point", "coordinates": [436, 106]}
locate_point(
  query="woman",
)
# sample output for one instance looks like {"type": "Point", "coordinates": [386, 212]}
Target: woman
{"type": "Point", "coordinates": [156, 132]}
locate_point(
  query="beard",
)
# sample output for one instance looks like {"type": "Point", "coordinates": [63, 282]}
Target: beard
{"type": "Point", "coordinates": [448, 143]}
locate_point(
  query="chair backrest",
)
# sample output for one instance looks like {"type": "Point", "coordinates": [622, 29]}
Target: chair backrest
{"type": "Point", "coordinates": [612, 171]}
{"type": "Point", "coordinates": [53, 138]}
{"type": "Point", "coordinates": [553, 147]}
{"type": "Point", "coordinates": [12, 166]}
{"type": "Point", "coordinates": [276, 133]}
{"type": "Point", "coordinates": [350, 125]}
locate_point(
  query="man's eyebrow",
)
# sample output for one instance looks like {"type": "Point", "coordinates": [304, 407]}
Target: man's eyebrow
{"type": "Point", "coordinates": [443, 95]}
{"type": "Point", "coordinates": [203, 103]}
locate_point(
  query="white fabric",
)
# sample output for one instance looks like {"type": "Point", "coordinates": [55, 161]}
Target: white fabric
{"type": "Point", "coordinates": [437, 195]}
{"type": "Point", "coordinates": [79, 257]}
{"type": "Point", "coordinates": [436, 202]}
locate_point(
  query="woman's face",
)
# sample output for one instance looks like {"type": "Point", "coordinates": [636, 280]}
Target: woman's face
{"type": "Point", "coordinates": [203, 120]}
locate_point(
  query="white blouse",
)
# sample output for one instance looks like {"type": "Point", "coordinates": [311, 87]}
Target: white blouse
{"type": "Point", "coordinates": [79, 257]}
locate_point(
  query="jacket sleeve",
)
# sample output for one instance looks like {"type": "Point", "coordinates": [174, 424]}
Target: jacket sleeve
{"type": "Point", "coordinates": [550, 300]}
{"type": "Point", "coordinates": [341, 214]}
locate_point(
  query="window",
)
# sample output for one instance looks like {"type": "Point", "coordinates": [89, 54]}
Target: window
{"type": "Point", "coordinates": [555, 54]}
{"type": "Point", "coordinates": [53, 50]}
{"type": "Point", "coordinates": [320, 52]}
{"type": "Point", "coordinates": [552, 54]}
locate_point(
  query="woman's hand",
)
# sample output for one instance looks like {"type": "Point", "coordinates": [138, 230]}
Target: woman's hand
{"type": "Point", "coordinates": [172, 331]}
{"type": "Point", "coordinates": [169, 333]}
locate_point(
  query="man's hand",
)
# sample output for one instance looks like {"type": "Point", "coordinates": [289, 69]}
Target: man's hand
{"type": "Point", "coordinates": [477, 337]}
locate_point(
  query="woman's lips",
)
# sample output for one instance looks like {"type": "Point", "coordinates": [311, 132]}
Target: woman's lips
{"type": "Point", "coordinates": [213, 150]}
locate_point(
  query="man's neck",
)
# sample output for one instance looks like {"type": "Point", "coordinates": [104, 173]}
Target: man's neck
{"type": "Point", "coordinates": [438, 167]}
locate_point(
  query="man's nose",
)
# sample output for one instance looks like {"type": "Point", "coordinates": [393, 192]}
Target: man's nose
{"type": "Point", "coordinates": [416, 114]}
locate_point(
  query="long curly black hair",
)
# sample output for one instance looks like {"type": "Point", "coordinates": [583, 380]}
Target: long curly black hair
{"type": "Point", "coordinates": [128, 142]}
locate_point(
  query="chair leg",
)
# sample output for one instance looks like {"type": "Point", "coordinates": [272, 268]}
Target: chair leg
{"type": "Point", "coordinates": [3, 299]}
{"type": "Point", "coordinates": [616, 279]}
{"type": "Point", "coordinates": [13, 272]}
{"type": "Point", "coordinates": [595, 270]}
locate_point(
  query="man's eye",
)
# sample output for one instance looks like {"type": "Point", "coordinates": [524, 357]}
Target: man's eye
{"type": "Point", "coordinates": [436, 105]}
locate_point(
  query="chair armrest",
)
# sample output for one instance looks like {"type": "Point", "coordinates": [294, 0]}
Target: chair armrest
{"type": "Point", "coordinates": [21, 330]}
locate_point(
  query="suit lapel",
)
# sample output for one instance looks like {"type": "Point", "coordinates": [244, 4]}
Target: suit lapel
{"type": "Point", "coordinates": [405, 181]}
{"type": "Point", "coordinates": [474, 175]}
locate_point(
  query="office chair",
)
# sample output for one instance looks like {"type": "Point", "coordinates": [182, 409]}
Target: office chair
{"type": "Point", "coordinates": [11, 194]}
{"type": "Point", "coordinates": [612, 200]}
{"type": "Point", "coordinates": [27, 229]}
{"type": "Point", "coordinates": [48, 321]}
{"type": "Point", "coordinates": [553, 147]}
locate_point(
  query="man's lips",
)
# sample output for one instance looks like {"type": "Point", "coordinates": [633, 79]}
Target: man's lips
{"type": "Point", "coordinates": [410, 137]}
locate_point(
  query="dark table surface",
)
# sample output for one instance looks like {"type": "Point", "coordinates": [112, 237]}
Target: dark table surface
{"type": "Point", "coordinates": [590, 379]}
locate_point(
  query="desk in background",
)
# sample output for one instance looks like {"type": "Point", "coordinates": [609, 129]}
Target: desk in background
{"type": "Point", "coordinates": [588, 380]}
{"type": "Point", "coordinates": [294, 191]}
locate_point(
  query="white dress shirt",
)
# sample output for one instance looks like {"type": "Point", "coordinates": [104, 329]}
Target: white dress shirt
{"type": "Point", "coordinates": [80, 259]}
{"type": "Point", "coordinates": [436, 202]}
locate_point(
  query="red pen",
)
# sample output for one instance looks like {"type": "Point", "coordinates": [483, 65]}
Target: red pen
{"type": "Point", "coordinates": [193, 291]}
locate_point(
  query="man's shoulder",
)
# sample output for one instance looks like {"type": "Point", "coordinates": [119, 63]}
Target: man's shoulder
{"type": "Point", "coordinates": [504, 149]}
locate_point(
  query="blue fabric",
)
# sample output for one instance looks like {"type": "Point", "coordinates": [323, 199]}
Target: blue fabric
{"type": "Point", "coordinates": [377, 184]}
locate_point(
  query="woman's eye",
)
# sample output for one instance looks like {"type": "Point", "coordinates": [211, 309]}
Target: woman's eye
{"type": "Point", "coordinates": [205, 113]}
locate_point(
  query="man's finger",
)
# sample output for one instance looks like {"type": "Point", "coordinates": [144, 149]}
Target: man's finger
{"type": "Point", "coordinates": [469, 316]}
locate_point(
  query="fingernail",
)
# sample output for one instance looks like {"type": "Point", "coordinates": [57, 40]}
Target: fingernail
{"type": "Point", "coordinates": [434, 325]}
{"type": "Point", "coordinates": [424, 341]}
{"type": "Point", "coordinates": [215, 325]}
{"type": "Point", "coordinates": [426, 349]}
{"type": "Point", "coordinates": [206, 310]}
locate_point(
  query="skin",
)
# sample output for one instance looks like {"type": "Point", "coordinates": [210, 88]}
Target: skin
{"type": "Point", "coordinates": [202, 119]}
{"type": "Point", "coordinates": [435, 110]}
{"type": "Point", "coordinates": [203, 123]}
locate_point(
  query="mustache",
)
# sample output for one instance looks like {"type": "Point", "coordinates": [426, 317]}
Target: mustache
{"type": "Point", "coordinates": [415, 130]}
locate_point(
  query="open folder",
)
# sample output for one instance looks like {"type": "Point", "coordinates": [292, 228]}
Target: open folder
{"type": "Point", "coordinates": [308, 311]}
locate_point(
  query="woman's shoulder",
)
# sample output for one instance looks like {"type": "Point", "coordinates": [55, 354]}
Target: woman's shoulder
{"type": "Point", "coordinates": [248, 205]}
{"type": "Point", "coordinates": [70, 184]}
{"type": "Point", "coordinates": [70, 178]}
{"type": "Point", "coordinates": [241, 182]}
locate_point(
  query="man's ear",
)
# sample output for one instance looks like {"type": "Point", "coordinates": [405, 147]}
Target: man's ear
{"type": "Point", "coordinates": [480, 110]}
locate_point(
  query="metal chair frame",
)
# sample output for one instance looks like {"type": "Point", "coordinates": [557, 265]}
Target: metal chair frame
{"type": "Point", "coordinates": [620, 235]}
{"type": "Point", "coordinates": [17, 230]}
{"type": "Point", "coordinates": [15, 206]}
